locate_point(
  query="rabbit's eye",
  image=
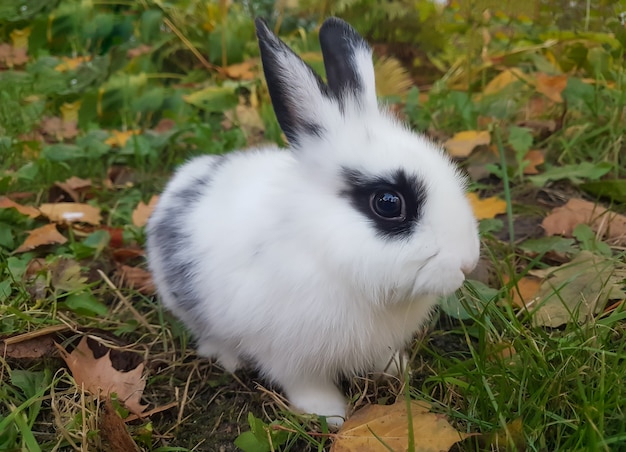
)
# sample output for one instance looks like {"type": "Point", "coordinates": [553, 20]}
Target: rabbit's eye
{"type": "Point", "coordinates": [388, 204]}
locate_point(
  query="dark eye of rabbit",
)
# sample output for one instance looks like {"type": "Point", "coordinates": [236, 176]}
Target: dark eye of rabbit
{"type": "Point", "coordinates": [388, 204]}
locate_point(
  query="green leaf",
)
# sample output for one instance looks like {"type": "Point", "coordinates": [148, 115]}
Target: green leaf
{"type": "Point", "coordinates": [553, 243]}
{"type": "Point", "coordinates": [93, 144]}
{"type": "Point", "coordinates": [520, 138]}
{"type": "Point", "coordinates": [85, 303]}
{"type": "Point", "coordinates": [213, 98]}
{"type": "Point", "coordinates": [614, 189]}
{"type": "Point", "coordinates": [248, 442]}
{"type": "Point", "coordinates": [7, 239]}
{"type": "Point", "coordinates": [5, 290]}
{"type": "Point", "coordinates": [62, 152]}
{"type": "Point", "coordinates": [575, 173]}
{"type": "Point", "coordinates": [149, 101]}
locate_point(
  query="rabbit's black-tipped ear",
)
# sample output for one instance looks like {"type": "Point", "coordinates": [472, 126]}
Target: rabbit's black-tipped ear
{"type": "Point", "coordinates": [298, 94]}
{"type": "Point", "coordinates": [348, 62]}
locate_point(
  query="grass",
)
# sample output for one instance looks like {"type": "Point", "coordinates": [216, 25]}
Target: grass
{"type": "Point", "coordinates": [483, 361]}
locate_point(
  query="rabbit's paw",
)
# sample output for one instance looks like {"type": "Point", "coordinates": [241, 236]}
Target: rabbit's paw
{"type": "Point", "coordinates": [317, 397]}
{"type": "Point", "coordinates": [226, 357]}
{"type": "Point", "coordinates": [392, 365]}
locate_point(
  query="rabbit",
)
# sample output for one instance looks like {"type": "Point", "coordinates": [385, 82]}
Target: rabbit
{"type": "Point", "coordinates": [322, 260]}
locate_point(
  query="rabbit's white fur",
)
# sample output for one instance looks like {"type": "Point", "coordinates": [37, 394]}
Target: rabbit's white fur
{"type": "Point", "coordinates": [282, 271]}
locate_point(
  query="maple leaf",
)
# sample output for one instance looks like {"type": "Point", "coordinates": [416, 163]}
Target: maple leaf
{"type": "Point", "coordinates": [100, 378]}
{"type": "Point", "coordinates": [120, 137]}
{"type": "Point", "coordinates": [369, 427]}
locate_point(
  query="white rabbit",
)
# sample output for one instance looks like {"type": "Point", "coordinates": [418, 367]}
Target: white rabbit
{"type": "Point", "coordinates": [322, 260]}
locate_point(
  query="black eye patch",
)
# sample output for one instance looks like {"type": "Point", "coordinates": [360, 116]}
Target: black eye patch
{"type": "Point", "coordinates": [392, 202]}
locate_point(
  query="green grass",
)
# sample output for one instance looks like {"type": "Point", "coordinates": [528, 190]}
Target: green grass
{"type": "Point", "coordinates": [482, 362]}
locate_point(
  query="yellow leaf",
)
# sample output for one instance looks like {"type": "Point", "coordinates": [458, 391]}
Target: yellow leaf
{"type": "Point", "coordinates": [69, 111]}
{"type": "Point", "coordinates": [369, 427]}
{"type": "Point", "coordinates": [120, 137]}
{"type": "Point", "coordinates": [487, 207]}
{"type": "Point", "coordinates": [504, 79]}
{"type": "Point", "coordinates": [19, 38]}
{"type": "Point", "coordinates": [534, 157]}
{"type": "Point", "coordinates": [69, 64]}
{"type": "Point", "coordinates": [463, 143]}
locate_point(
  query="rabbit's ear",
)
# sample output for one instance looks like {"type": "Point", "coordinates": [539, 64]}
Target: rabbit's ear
{"type": "Point", "coordinates": [348, 62]}
{"type": "Point", "coordinates": [299, 96]}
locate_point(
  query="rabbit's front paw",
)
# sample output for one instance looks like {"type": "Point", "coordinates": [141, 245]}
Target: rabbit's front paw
{"type": "Point", "coordinates": [226, 357]}
{"type": "Point", "coordinates": [317, 397]}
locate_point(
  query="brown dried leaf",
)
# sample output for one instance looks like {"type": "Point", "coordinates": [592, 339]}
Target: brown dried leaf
{"type": "Point", "coordinates": [100, 378]}
{"type": "Point", "coordinates": [34, 348]}
{"type": "Point", "coordinates": [71, 212]}
{"type": "Point", "coordinates": [551, 86]}
{"type": "Point", "coordinates": [6, 203]}
{"type": "Point", "coordinates": [463, 143]}
{"type": "Point", "coordinates": [603, 222]}
{"type": "Point", "coordinates": [113, 430]}
{"type": "Point", "coordinates": [534, 157]}
{"type": "Point", "coordinates": [45, 235]}
{"type": "Point", "coordinates": [390, 424]}
{"type": "Point", "coordinates": [486, 207]}
{"type": "Point", "coordinates": [524, 293]}
{"type": "Point", "coordinates": [143, 211]}
{"type": "Point", "coordinates": [137, 278]}
{"type": "Point", "coordinates": [241, 71]}
{"type": "Point", "coordinates": [74, 186]}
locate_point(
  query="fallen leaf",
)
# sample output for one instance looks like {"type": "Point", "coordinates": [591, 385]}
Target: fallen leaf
{"type": "Point", "coordinates": [241, 71]}
{"type": "Point", "coordinates": [504, 79]}
{"type": "Point", "coordinates": [58, 129]}
{"type": "Point", "coordinates": [524, 292]}
{"type": "Point", "coordinates": [534, 157]}
{"type": "Point", "coordinates": [551, 86]}
{"type": "Point", "coordinates": [249, 120]}
{"type": "Point", "coordinates": [369, 427]}
{"type": "Point", "coordinates": [34, 348]}
{"type": "Point", "coordinates": [463, 143]}
{"type": "Point", "coordinates": [113, 430]}
{"type": "Point", "coordinates": [100, 378]}
{"type": "Point", "coordinates": [74, 186]}
{"type": "Point", "coordinates": [503, 439]}
{"type": "Point", "coordinates": [71, 212]}
{"type": "Point", "coordinates": [141, 49]}
{"type": "Point", "coordinates": [486, 207]}
{"type": "Point", "coordinates": [120, 137]}
{"type": "Point", "coordinates": [69, 64]}
{"type": "Point", "coordinates": [143, 211]}
{"type": "Point", "coordinates": [66, 275]}
{"type": "Point", "coordinates": [137, 278]}
{"type": "Point", "coordinates": [6, 203]}
{"type": "Point", "coordinates": [605, 223]}
{"type": "Point", "coordinates": [578, 290]}
{"type": "Point", "coordinates": [33, 344]}
{"type": "Point", "coordinates": [45, 235]}
{"type": "Point", "coordinates": [19, 38]}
